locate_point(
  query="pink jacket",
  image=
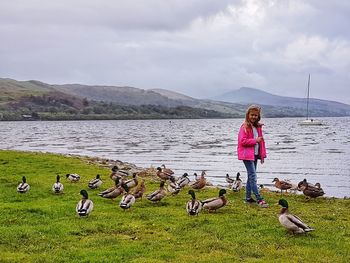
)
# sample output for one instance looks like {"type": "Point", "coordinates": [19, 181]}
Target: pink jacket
{"type": "Point", "coordinates": [246, 143]}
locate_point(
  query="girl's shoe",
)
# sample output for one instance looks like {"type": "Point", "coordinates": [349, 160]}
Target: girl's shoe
{"type": "Point", "coordinates": [263, 204]}
{"type": "Point", "coordinates": [250, 201]}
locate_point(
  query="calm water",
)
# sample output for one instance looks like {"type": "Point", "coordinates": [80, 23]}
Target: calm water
{"type": "Point", "coordinates": [320, 154]}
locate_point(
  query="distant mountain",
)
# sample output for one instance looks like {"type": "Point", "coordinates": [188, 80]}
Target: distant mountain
{"type": "Point", "coordinates": [120, 95]}
{"type": "Point", "coordinates": [317, 107]}
{"type": "Point", "coordinates": [76, 101]}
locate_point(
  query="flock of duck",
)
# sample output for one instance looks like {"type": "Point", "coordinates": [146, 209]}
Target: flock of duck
{"type": "Point", "coordinates": [133, 189]}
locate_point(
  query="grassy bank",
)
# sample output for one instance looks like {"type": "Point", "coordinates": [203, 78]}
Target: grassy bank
{"type": "Point", "coordinates": [42, 227]}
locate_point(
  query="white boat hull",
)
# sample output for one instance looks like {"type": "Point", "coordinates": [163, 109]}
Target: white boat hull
{"type": "Point", "coordinates": [311, 122]}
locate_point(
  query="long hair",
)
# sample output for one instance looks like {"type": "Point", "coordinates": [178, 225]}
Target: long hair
{"type": "Point", "coordinates": [251, 108]}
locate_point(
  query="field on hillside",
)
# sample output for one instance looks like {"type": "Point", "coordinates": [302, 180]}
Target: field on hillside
{"type": "Point", "coordinates": [40, 226]}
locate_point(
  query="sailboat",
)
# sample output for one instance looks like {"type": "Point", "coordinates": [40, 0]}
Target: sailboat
{"type": "Point", "coordinates": [309, 122]}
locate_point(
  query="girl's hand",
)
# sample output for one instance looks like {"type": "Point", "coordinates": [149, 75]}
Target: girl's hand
{"type": "Point", "coordinates": [259, 139]}
{"type": "Point", "coordinates": [262, 161]}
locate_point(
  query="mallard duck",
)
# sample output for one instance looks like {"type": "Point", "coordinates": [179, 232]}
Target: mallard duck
{"type": "Point", "coordinates": [85, 205]}
{"type": "Point", "coordinates": [73, 177]}
{"type": "Point", "coordinates": [132, 182]}
{"type": "Point", "coordinates": [166, 170]}
{"type": "Point", "coordinates": [118, 173]}
{"type": "Point", "coordinates": [24, 186]}
{"type": "Point", "coordinates": [237, 183]}
{"type": "Point", "coordinates": [312, 191]}
{"type": "Point", "coordinates": [183, 180]}
{"type": "Point", "coordinates": [158, 194]}
{"type": "Point", "coordinates": [193, 206]}
{"type": "Point", "coordinates": [200, 183]}
{"type": "Point", "coordinates": [58, 186]}
{"type": "Point", "coordinates": [113, 192]}
{"type": "Point", "coordinates": [229, 180]}
{"type": "Point", "coordinates": [128, 199]}
{"type": "Point", "coordinates": [139, 190]}
{"type": "Point", "coordinates": [282, 185]}
{"type": "Point", "coordinates": [162, 175]}
{"type": "Point", "coordinates": [302, 184]}
{"type": "Point", "coordinates": [173, 186]}
{"type": "Point", "coordinates": [95, 183]}
{"type": "Point", "coordinates": [291, 222]}
{"type": "Point", "coordinates": [216, 202]}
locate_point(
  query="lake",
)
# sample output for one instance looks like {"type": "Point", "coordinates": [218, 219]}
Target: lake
{"type": "Point", "coordinates": [295, 152]}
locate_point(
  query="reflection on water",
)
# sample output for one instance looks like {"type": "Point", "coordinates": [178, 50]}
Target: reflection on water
{"type": "Point", "coordinates": [295, 152]}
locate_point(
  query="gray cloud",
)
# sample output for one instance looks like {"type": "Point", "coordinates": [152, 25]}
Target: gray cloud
{"type": "Point", "coordinates": [199, 47]}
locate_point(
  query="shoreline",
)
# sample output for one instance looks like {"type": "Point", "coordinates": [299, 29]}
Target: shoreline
{"type": "Point", "coordinates": [151, 171]}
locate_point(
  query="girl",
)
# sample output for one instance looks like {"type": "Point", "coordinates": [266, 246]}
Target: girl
{"type": "Point", "coordinates": [251, 147]}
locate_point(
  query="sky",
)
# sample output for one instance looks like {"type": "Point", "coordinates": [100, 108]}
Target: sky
{"type": "Point", "coordinates": [201, 48]}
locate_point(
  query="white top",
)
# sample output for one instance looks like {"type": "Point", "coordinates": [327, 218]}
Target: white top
{"type": "Point", "coordinates": [256, 147]}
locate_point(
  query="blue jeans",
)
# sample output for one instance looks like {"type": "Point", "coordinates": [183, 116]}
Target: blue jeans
{"type": "Point", "coordinates": [251, 181]}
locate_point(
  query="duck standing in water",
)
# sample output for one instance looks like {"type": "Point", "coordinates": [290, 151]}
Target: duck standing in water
{"type": "Point", "coordinates": [24, 186]}
{"type": "Point", "coordinates": [215, 203]}
{"type": "Point", "coordinates": [193, 207]}
{"type": "Point", "coordinates": [96, 182]}
{"type": "Point", "coordinates": [85, 205]}
{"type": "Point", "coordinates": [291, 222]}
{"type": "Point", "coordinates": [57, 187]}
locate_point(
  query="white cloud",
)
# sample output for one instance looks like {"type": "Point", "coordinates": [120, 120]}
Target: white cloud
{"type": "Point", "coordinates": [199, 47]}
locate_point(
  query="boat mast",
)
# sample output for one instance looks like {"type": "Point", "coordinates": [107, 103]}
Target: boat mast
{"type": "Point", "coordinates": [307, 101]}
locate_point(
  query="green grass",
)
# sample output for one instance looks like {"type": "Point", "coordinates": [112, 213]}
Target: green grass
{"type": "Point", "coordinates": [42, 227]}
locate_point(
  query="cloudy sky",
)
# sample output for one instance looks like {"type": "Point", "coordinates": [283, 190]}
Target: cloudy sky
{"type": "Point", "coordinates": [201, 48]}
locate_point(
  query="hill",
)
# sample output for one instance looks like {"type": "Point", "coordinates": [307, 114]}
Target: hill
{"type": "Point", "coordinates": [35, 99]}
{"type": "Point", "coordinates": [317, 107]}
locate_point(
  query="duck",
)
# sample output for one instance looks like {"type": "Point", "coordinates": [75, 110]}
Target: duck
{"type": "Point", "coordinates": [237, 183]}
{"type": "Point", "coordinates": [57, 187]}
{"type": "Point", "coordinates": [173, 186]}
{"type": "Point", "coordinates": [132, 182]}
{"type": "Point", "coordinates": [95, 183]}
{"type": "Point", "coordinates": [166, 170]}
{"type": "Point", "coordinates": [24, 186]}
{"type": "Point", "coordinates": [157, 195]}
{"type": "Point", "coordinates": [215, 203]}
{"type": "Point", "coordinates": [73, 177]}
{"type": "Point", "coordinates": [85, 205]}
{"type": "Point", "coordinates": [229, 180]}
{"type": "Point", "coordinates": [312, 191]}
{"type": "Point", "coordinates": [200, 182]}
{"type": "Point", "coordinates": [118, 173]}
{"type": "Point", "coordinates": [113, 192]}
{"type": "Point", "coordinates": [163, 175]}
{"type": "Point", "coordinates": [193, 206]}
{"type": "Point", "coordinates": [139, 190]}
{"type": "Point", "coordinates": [282, 185]}
{"type": "Point", "coordinates": [183, 180]}
{"type": "Point", "coordinates": [302, 184]}
{"type": "Point", "coordinates": [291, 222]}
{"type": "Point", "coordinates": [128, 199]}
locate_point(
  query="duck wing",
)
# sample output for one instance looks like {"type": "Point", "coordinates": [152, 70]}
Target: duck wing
{"type": "Point", "coordinates": [298, 222]}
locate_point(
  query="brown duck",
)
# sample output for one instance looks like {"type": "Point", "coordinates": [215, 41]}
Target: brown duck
{"type": "Point", "coordinates": [282, 185]}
